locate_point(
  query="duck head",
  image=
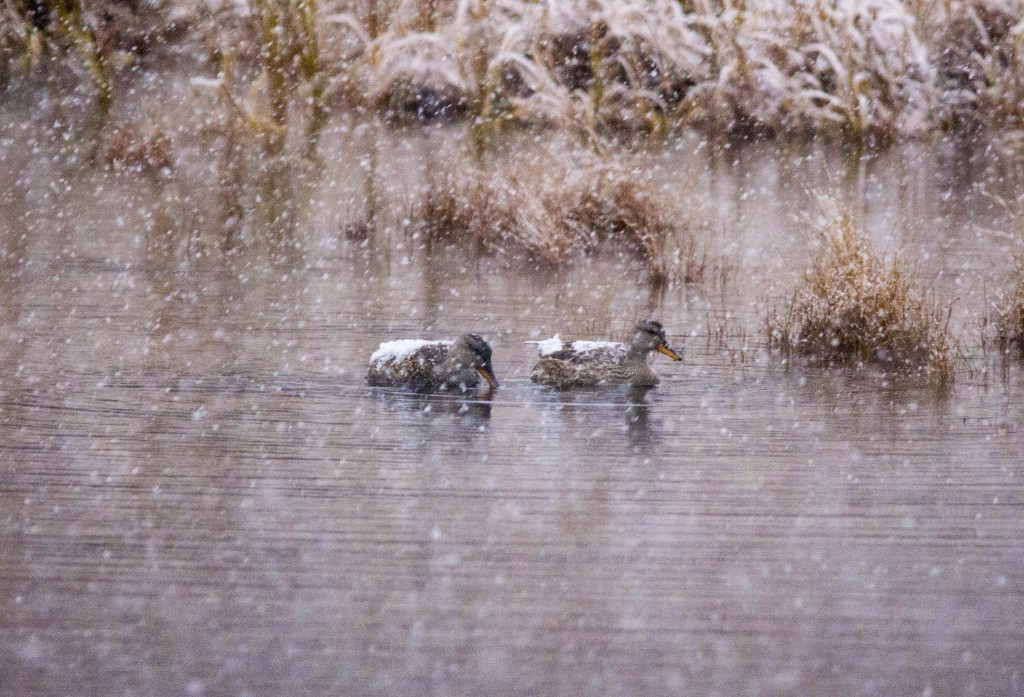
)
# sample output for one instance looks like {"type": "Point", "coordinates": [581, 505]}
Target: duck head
{"type": "Point", "coordinates": [650, 336]}
{"type": "Point", "coordinates": [470, 350]}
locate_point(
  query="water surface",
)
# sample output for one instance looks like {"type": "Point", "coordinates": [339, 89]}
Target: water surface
{"type": "Point", "coordinates": [200, 495]}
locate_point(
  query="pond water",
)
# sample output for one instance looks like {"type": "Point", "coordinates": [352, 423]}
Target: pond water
{"type": "Point", "coordinates": [199, 495]}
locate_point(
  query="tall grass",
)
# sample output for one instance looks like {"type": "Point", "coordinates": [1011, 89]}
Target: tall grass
{"type": "Point", "coordinates": [636, 61]}
{"type": "Point", "coordinates": [89, 39]}
{"type": "Point", "coordinates": [856, 66]}
{"type": "Point", "coordinates": [868, 69]}
{"type": "Point", "coordinates": [1009, 319]}
{"type": "Point", "coordinates": [853, 307]}
{"type": "Point", "coordinates": [979, 52]}
{"type": "Point", "coordinates": [290, 57]}
{"type": "Point", "coordinates": [62, 30]}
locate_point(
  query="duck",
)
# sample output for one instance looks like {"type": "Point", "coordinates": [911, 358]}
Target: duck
{"type": "Point", "coordinates": [428, 366]}
{"type": "Point", "coordinates": [594, 363]}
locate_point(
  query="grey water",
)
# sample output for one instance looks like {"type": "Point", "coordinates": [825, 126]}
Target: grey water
{"type": "Point", "coordinates": [199, 495]}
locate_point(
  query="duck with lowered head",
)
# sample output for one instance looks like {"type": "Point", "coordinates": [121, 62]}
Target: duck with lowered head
{"type": "Point", "coordinates": [595, 363]}
{"type": "Point", "coordinates": [427, 366]}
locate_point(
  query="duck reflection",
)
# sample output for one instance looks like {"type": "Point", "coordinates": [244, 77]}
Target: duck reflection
{"type": "Point", "coordinates": [596, 408]}
{"type": "Point", "coordinates": [466, 410]}
{"type": "Point", "coordinates": [638, 413]}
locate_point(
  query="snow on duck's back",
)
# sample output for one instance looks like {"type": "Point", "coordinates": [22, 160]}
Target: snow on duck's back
{"type": "Point", "coordinates": [551, 346]}
{"type": "Point", "coordinates": [548, 346]}
{"type": "Point", "coordinates": [400, 350]}
{"type": "Point", "coordinates": [591, 346]}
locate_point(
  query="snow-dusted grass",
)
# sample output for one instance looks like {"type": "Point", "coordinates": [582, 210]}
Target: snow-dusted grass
{"type": "Point", "coordinates": [66, 28]}
{"type": "Point", "coordinates": [857, 66]}
{"type": "Point", "coordinates": [477, 63]}
{"type": "Point", "coordinates": [853, 307]}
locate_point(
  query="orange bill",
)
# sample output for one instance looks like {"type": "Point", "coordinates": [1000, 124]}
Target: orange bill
{"type": "Point", "coordinates": [669, 352]}
{"type": "Point", "coordinates": [488, 375]}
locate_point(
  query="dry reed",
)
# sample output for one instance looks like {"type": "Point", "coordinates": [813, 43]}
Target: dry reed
{"type": "Point", "coordinates": [853, 307]}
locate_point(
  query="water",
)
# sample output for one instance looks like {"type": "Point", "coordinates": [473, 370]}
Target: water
{"type": "Point", "coordinates": [200, 495]}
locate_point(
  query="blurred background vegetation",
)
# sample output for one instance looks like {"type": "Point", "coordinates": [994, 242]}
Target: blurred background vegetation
{"type": "Point", "coordinates": [867, 70]}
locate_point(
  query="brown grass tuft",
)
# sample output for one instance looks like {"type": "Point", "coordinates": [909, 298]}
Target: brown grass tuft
{"type": "Point", "coordinates": [552, 210]}
{"type": "Point", "coordinates": [854, 307]}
